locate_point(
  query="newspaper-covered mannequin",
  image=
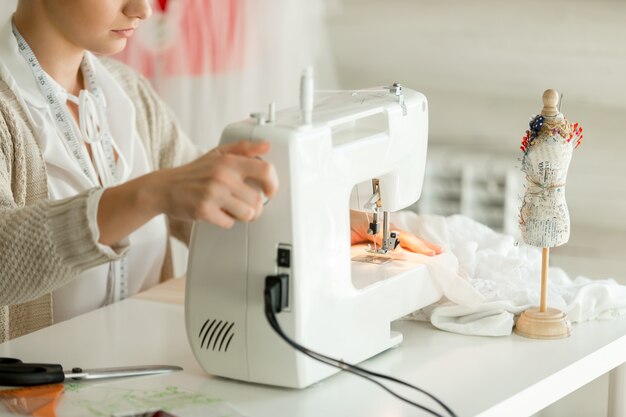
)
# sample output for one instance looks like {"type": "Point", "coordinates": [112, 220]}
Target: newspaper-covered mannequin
{"type": "Point", "coordinates": [544, 217]}
{"type": "Point", "coordinates": [547, 147]}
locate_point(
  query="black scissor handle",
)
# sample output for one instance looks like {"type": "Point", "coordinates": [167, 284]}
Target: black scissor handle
{"type": "Point", "coordinates": [9, 361]}
{"type": "Point", "coordinates": [13, 372]}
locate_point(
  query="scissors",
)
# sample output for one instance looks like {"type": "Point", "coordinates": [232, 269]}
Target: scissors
{"type": "Point", "coordinates": [14, 372]}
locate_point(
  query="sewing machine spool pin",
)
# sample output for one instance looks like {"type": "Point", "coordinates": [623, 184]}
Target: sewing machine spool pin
{"type": "Point", "coordinates": [307, 96]}
{"type": "Point", "coordinates": [271, 113]}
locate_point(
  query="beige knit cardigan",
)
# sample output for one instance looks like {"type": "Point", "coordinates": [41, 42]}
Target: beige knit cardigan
{"type": "Point", "coordinates": [45, 244]}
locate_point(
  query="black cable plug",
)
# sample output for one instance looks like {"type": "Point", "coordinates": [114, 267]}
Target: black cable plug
{"type": "Point", "coordinates": [277, 292]}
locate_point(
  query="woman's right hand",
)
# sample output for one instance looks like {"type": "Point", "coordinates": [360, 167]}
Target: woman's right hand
{"type": "Point", "coordinates": [225, 185]}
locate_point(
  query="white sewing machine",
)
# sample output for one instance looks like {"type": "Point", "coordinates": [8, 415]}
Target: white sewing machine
{"type": "Point", "coordinates": [363, 150]}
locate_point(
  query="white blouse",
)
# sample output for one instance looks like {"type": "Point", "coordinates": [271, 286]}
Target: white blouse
{"type": "Point", "coordinates": [66, 178]}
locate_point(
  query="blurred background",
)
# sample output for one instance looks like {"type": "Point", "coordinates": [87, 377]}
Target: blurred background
{"type": "Point", "coordinates": [483, 65]}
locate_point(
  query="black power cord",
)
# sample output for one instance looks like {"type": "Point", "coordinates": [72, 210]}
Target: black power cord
{"type": "Point", "coordinates": [275, 300]}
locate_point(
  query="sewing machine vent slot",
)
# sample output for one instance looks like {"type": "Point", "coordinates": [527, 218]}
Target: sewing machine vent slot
{"type": "Point", "coordinates": [216, 335]}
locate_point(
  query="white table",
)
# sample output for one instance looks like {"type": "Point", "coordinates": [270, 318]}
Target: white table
{"type": "Point", "coordinates": [476, 376]}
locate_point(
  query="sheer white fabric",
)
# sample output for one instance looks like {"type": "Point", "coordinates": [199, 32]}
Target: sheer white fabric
{"type": "Point", "coordinates": [487, 279]}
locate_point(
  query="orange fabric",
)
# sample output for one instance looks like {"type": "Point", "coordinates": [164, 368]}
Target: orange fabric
{"type": "Point", "coordinates": [38, 401]}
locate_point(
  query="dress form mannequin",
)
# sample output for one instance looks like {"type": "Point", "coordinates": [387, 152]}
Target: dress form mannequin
{"type": "Point", "coordinates": [544, 216]}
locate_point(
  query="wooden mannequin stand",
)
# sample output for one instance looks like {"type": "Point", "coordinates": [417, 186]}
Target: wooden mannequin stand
{"type": "Point", "coordinates": [544, 322]}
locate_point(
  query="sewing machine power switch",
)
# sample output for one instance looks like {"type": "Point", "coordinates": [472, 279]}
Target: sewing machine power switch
{"type": "Point", "coordinates": [283, 257]}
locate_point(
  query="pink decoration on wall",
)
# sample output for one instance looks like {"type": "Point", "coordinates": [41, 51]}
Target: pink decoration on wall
{"type": "Point", "coordinates": [162, 5]}
{"type": "Point", "coordinates": [189, 38]}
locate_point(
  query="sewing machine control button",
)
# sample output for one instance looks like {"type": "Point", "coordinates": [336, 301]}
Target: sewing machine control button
{"type": "Point", "coordinates": [260, 118]}
{"type": "Point", "coordinates": [283, 258]}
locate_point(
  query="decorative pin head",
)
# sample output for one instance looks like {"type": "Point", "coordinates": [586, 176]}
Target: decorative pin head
{"type": "Point", "coordinates": [550, 101]}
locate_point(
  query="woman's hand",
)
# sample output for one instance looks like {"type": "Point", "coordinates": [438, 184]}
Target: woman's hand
{"type": "Point", "coordinates": [359, 224]}
{"type": "Point", "coordinates": [225, 185]}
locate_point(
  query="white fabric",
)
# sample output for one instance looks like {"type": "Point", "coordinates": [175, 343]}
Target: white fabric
{"type": "Point", "coordinates": [487, 279]}
{"type": "Point", "coordinates": [66, 179]}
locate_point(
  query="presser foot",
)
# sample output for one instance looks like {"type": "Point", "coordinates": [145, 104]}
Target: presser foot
{"type": "Point", "coordinates": [388, 246]}
{"type": "Point", "coordinates": [378, 255]}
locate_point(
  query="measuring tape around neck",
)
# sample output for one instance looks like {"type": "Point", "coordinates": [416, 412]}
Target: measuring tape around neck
{"type": "Point", "coordinates": [104, 170]}
{"type": "Point", "coordinates": [63, 119]}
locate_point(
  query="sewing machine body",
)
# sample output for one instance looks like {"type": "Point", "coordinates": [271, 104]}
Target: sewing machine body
{"type": "Point", "coordinates": [336, 306]}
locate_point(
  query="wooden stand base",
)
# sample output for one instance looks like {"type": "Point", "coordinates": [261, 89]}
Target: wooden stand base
{"type": "Point", "coordinates": [552, 324]}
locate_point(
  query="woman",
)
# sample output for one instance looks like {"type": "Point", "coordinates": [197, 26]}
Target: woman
{"type": "Point", "coordinates": [94, 170]}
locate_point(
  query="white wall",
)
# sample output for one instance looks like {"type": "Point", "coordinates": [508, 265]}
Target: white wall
{"type": "Point", "coordinates": [7, 8]}
{"type": "Point", "coordinates": [484, 65]}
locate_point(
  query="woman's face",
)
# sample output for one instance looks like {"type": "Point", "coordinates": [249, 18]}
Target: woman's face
{"type": "Point", "coordinates": [100, 26]}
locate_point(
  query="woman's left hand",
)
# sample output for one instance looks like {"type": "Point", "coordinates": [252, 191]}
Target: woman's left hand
{"type": "Point", "coordinates": [358, 234]}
